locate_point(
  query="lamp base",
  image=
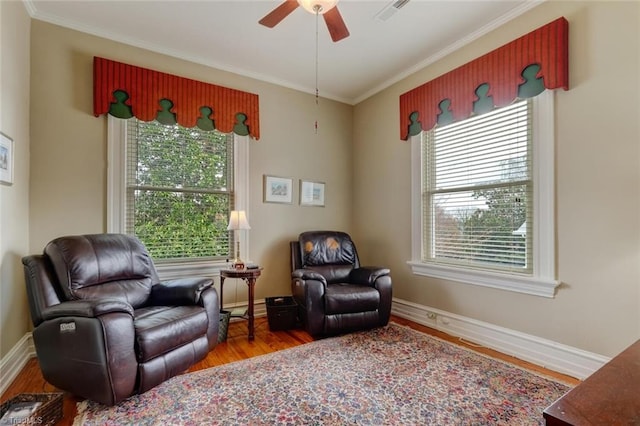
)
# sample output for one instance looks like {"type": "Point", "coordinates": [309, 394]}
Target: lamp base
{"type": "Point", "coordinates": [238, 264]}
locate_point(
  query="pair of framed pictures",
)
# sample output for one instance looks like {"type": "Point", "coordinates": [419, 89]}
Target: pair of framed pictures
{"type": "Point", "coordinates": [280, 190]}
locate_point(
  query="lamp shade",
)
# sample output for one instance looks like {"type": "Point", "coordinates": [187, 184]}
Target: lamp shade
{"type": "Point", "coordinates": [325, 5]}
{"type": "Point", "coordinates": [238, 220]}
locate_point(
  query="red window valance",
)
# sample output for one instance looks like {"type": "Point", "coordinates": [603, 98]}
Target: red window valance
{"type": "Point", "coordinates": [126, 91]}
{"type": "Point", "coordinates": [522, 68]}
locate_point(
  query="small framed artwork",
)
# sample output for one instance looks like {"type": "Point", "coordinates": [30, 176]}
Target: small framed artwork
{"type": "Point", "coordinates": [6, 159]}
{"type": "Point", "coordinates": [278, 189]}
{"type": "Point", "coordinates": [311, 193]}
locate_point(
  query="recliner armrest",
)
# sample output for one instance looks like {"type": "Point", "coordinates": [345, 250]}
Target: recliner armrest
{"type": "Point", "coordinates": [367, 275]}
{"type": "Point", "coordinates": [184, 291]}
{"type": "Point", "coordinates": [90, 308]}
{"type": "Point", "coordinates": [306, 274]}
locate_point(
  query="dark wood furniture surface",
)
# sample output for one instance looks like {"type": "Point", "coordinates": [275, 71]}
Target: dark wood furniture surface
{"type": "Point", "coordinates": [610, 396]}
{"type": "Point", "coordinates": [249, 276]}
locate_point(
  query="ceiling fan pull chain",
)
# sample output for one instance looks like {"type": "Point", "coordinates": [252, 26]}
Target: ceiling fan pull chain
{"type": "Point", "coordinates": [317, 10]}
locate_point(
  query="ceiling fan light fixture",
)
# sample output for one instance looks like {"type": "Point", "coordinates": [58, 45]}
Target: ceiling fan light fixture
{"type": "Point", "coordinates": [327, 8]}
{"type": "Point", "coordinates": [319, 6]}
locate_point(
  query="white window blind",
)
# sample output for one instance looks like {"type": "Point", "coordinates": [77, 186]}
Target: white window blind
{"type": "Point", "coordinates": [478, 191]}
{"type": "Point", "coordinates": [179, 190]}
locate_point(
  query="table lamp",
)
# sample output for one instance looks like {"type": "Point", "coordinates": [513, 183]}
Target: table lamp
{"type": "Point", "coordinates": [237, 222]}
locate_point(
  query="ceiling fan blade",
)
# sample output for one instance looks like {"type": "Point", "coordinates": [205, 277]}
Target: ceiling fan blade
{"type": "Point", "coordinates": [335, 24]}
{"type": "Point", "coordinates": [274, 17]}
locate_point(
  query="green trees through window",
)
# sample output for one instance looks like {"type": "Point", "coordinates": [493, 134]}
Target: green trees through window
{"type": "Point", "coordinates": [179, 189]}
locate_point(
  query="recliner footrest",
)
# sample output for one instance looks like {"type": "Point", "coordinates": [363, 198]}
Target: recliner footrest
{"type": "Point", "coordinates": [160, 329]}
{"type": "Point", "coordinates": [350, 298]}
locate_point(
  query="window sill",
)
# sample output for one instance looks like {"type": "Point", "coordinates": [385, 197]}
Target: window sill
{"type": "Point", "coordinates": [202, 268]}
{"type": "Point", "coordinates": [537, 286]}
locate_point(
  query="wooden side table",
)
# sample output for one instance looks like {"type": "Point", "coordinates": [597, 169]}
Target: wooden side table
{"type": "Point", "coordinates": [249, 276]}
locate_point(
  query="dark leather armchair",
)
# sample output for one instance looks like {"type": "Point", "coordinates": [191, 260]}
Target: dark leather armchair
{"type": "Point", "coordinates": [105, 326]}
{"type": "Point", "coordinates": [333, 292]}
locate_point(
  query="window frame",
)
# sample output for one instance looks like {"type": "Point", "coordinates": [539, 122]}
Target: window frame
{"type": "Point", "coordinates": [542, 281]}
{"type": "Point", "coordinates": [116, 199]}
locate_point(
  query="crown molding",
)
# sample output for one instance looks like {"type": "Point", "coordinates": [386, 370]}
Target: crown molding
{"type": "Point", "coordinates": [515, 12]}
{"type": "Point", "coordinates": [512, 14]}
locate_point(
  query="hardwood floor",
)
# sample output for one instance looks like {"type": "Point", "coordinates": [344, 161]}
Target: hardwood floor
{"type": "Point", "coordinates": [237, 347]}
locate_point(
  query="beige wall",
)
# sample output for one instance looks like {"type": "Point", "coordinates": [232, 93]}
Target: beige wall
{"type": "Point", "coordinates": [598, 167]}
{"type": "Point", "coordinates": [68, 149]}
{"type": "Point", "coordinates": [598, 186]}
{"type": "Point", "coordinates": [14, 200]}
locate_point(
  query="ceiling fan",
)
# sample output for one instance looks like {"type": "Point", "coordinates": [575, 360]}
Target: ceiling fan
{"type": "Point", "coordinates": [327, 8]}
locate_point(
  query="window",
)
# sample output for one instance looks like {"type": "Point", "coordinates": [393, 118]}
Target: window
{"type": "Point", "coordinates": [173, 187]}
{"type": "Point", "coordinates": [483, 199]}
{"type": "Point", "coordinates": [477, 191]}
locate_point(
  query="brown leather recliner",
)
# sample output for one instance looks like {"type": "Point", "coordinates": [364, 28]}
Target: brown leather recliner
{"type": "Point", "coordinates": [333, 292]}
{"type": "Point", "coordinates": [105, 326]}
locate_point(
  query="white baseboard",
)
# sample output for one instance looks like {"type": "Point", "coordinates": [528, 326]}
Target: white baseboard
{"type": "Point", "coordinates": [549, 354]}
{"type": "Point", "coordinates": [555, 356]}
{"type": "Point", "coordinates": [13, 362]}
{"type": "Point", "coordinates": [260, 308]}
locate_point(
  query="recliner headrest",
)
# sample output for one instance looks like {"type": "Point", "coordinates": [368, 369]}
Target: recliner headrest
{"type": "Point", "coordinates": [83, 263]}
{"type": "Point", "coordinates": [327, 248]}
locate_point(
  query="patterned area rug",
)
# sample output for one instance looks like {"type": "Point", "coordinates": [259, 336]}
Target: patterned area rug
{"type": "Point", "coordinates": [391, 376]}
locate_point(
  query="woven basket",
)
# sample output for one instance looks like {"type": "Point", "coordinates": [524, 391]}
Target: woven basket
{"type": "Point", "coordinates": [225, 316]}
{"type": "Point", "coordinates": [48, 413]}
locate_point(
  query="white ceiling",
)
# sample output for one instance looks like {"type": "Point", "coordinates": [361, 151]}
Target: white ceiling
{"type": "Point", "coordinates": [226, 35]}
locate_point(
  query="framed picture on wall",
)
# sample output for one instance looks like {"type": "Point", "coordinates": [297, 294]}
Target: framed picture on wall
{"type": "Point", "coordinates": [311, 193]}
{"type": "Point", "coordinates": [278, 189]}
{"type": "Point", "coordinates": [6, 159]}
